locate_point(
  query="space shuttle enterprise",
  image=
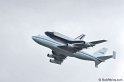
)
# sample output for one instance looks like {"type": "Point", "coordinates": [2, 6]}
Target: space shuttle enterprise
{"type": "Point", "coordinates": [63, 46]}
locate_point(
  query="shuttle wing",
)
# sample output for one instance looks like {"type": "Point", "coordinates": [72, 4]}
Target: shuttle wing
{"type": "Point", "coordinates": [71, 49]}
{"type": "Point", "coordinates": [97, 42]}
{"type": "Point", "coordinates": [80, 37]}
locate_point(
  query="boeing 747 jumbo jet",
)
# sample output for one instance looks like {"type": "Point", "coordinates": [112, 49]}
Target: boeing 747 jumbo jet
{"type": "Point", "coordinates": [63, 47]}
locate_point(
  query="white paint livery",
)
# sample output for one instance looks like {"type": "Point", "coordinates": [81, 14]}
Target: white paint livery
{"type": "Point", "coordinates": [59, 53]}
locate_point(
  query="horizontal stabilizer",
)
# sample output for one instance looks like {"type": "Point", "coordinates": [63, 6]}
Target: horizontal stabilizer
{"type": "Point", "coordinates": [107, 57]}
{"type": "Point", "coordinates": [97, 62]}
{"type": "Point", "coordinates": [100, 52]}
{"type": "Point", "coordinates": [103, 58]}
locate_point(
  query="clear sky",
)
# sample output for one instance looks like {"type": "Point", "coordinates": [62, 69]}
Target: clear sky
{"type": "Point", "coordinates": [22, 60]}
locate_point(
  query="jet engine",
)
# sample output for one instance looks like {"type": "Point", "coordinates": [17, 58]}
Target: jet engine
{"type": "Point", "coordinates": [55, 61]}
{"type": "Point", "coordinates": [50, 55]}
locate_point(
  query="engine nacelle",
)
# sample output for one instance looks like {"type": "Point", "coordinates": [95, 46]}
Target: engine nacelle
{"type": "Point", "coordinates": [50, 55]}
{"type": "Point", "coordinates": [55, 61]}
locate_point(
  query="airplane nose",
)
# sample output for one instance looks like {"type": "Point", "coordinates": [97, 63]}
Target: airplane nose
{"type": "Point", "coordinates": [34, 37]}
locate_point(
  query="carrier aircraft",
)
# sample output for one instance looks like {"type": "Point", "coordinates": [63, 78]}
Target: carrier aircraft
{"type": "Point", "coordinates": [63, 47]}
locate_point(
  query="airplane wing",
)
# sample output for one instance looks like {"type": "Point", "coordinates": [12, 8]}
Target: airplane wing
{"type": "Point", "coordinates": [97, 42]}
{"type": "Point", "coordinates": [71, 49]}
{"type": "Point", "coordinates": [57, 58]}
{"type": "Point", "coordinates": [93, 43]}
{"type": "Point", "coordinates": [79, 46]}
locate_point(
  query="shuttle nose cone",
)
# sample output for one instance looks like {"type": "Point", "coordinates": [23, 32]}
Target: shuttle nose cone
{"type": "Point", "coordinates": [49, 33]}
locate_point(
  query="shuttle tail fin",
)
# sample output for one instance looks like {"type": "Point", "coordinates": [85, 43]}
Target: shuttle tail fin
{"type": "Point", "coordinates": [80, 37]}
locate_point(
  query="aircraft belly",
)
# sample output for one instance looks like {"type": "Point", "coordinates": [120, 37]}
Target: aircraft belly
{"type": "Point", "coordinates": [64, 52]}
{"type": "Point", "coordinates": [84, 56]}
{"type": "Point", "coordinates": [54, 47]}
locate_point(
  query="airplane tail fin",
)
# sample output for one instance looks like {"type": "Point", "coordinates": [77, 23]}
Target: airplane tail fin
{"type": "Point", "coordinates": [114, 55]}
{"type": "Point", "coordinates": [80, 37]}
{"type": "Point", "coordinates": [103, 58]}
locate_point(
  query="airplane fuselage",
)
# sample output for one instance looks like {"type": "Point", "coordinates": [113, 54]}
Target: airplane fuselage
{"type": "Point", "coordinates": [53, 45]}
